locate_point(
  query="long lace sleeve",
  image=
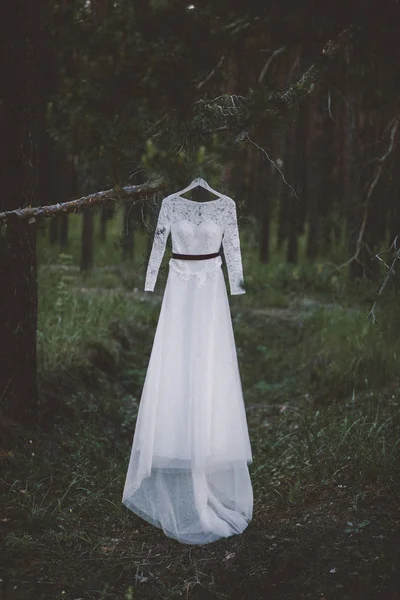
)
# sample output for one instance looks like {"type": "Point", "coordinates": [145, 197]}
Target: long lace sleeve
{"type": "Point", "coordinates": [159, 242]}
{"type": "Point", "coordinates": [231, 246]}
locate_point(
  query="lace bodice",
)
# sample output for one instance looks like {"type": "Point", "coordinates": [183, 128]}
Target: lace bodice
{"type": "Point", "coordinates": [197, 228]}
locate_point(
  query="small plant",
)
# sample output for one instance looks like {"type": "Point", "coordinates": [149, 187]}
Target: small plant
{"type": "Point", "coordinates": [353, 527]}
{"type": "Point", "coordinates": [20, 543]}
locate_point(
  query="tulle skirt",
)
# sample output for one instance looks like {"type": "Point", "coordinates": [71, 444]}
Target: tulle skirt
{"type": "Point", "coordinates": [188, 469]}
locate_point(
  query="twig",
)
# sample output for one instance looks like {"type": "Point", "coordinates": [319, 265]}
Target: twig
{"type": "Point", "coordinates": [391, 271]}
{"type": "Point", "coordinates": [31, 212]}
{"type": "Point", "coordinates": [227, 107]}
{"type": "Point", "coordinates": [223, 96]}
{"type": "Point", "coordinates": [330, 106]}
{"type": "Point", "coordinates": [158, 122]}
{"type": "Point", "coordinates": [371, 188]}
{"type": "Point", "coordinates": [308, 79]}
{"type": "Point", "coordinates": [212, 73]}
{"type": "Point", "coordinates": [273, 163]}
{"type": "Point", "coordinates": [269, 61]}
{"type": "Point", "coordinates": [134, 173]}
{"type": "Point", "coordinates": [230, 107]}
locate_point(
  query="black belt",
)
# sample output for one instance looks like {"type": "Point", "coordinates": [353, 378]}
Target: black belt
{"type": "Point", "coordinates": [195, 256]}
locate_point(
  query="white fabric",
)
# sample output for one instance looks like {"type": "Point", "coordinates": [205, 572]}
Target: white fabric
{"type": "Point", "coordinates": [188, 469]}
{"type": "Point", "coordinates": [197, 228]}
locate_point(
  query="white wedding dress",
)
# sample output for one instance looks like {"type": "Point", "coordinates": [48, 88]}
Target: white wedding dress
{"type": "Point", "coordinates": [188, 469]}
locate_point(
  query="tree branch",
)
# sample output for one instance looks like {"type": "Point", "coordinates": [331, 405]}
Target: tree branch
{"type": "Point", "coordinates": [212, 73]}
{"type": "Point", "coordinates": [98, 198]}
{"type": "Point", "coordinates": [305, 85]}
{"type": "Point", "coordinates": [270, 59]}
{"type": "Point", "coordinates": [377, 175]}
{"type": "Point", "coordinates": [227, 110]}
{"type": "Point", "coordinates": [273, 163]}
{"type": "Point", "coordinates": [390, 272]}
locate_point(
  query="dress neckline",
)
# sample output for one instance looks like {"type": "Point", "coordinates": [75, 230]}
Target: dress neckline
{"type": "Point", "coordinates": [195, 201]}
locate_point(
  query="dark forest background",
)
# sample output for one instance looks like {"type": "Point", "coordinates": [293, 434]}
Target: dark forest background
{"type": "Point", "coordinates": [292, 109]}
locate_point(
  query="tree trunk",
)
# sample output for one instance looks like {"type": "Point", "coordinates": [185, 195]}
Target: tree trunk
{"type": "Point", "coordinates": [70, 185]}
{"type": "Point", "coordinates": [393, 213]}
{"type": "Point", "coordinates": [238, 176]}
{"type": "Point", "coordinates": [282, 193]}
{"type": "Point", "coordinates": [351, 170]}
{"type": "Point", "coordinates": [103, 223]}
{"type": "Point", "coordinates": [128, 231]}
{"type": "Point", "coordinates": [262, 201]}
{"type": "Point", "coordinates": [64, 231]}
{"type": "Point", "coordinates": [22, 114]}
{"type": "Point", "coordinates": [313, 179]}
{"type": "Point", "coordinates": [320, 163]}
{"type": "Point", "coordinates": [53, 230]}
{"type": "Point", "coordinates": [101, 9]}
{"type": "Point", "coordinates": [300, 175]}
{"type": "Point", "coordinates": [265, 219]}
{"type": "Point", "coordinates": [292, 203]}
{"type": "Point", "coordinates": [253, 172]}
{"type": "Point", "coordinates": [374, 230]}
{"type": "Point", "coordinates": [87, 240]}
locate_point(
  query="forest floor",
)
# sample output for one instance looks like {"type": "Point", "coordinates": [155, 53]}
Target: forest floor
{"type": "Point", "coordinates": [326, 521]}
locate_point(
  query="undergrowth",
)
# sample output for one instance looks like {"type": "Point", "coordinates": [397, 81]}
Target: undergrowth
{"type": "Point", "coordinates": [322, 395]}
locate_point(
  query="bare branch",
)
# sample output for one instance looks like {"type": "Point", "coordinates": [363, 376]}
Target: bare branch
{"type": "Point", "coordinates": [98, 198]}
{"type": "Point", "coordinates": [273, 163]}
{"type": "Point", "coordinates": [307, 81]}
{"type": "Point", "coordinates": [228, 107]}
{"type": "Point", "coordinates": [269, 61]}
{"type": "Point", "coordinates": [377, 175]}
{"type": "Point", "coordinates": [212, 73]}
{"type": "Point", "coordinates": [157, 123]}
{"type": "Point", "coordinates": [390, 272]}
{"type": "Point", "coordinates": [330, 106]}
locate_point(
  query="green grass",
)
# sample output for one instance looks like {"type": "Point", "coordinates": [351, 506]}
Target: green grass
{"type": "Point", "coordinates": [76, 307]}
{"type": "Point", "coordinates": [347, 353]}
{"type": "Point", "coordinates": [307, 446]}
{"type": "Point", "coordinates": [322, 394]}
{"type": "Point", "coordinates": [106, 254]}
{"type": "Point", "coordinates": [337, 464]}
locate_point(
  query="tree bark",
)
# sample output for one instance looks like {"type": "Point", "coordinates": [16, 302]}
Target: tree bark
{"type": "Point", "coordinates": [87, 240]}
{"type": "Point", "coordinates": [282, 198]}
{"type": "Point", "coordinates": [394, 211]}
{"type": "Point", "coordinates": [22, 118]}
{"type": "Point", "coordinates": [265, 209]}
{"type": "Point", "coordinates": [101, 9]}
{"type": "Point", "coordinates": [128, 239]}
{"type": "Point", "coordinates": [292, 203]}
{"type": "Point", "coordinates": [262, 202]}
{"type": "Point", "coordinates": [53, 230]}
{"type": "Point", "coordinates": [351, 170]}
{"type": "Point", "coordinates": [64, 232]}
{"type": "Point", "coordinates": [320, 162]}
{"type": "Point", "coordinates": [103, 223]}
{"type": "Point", "coordinates": [313, 180]}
